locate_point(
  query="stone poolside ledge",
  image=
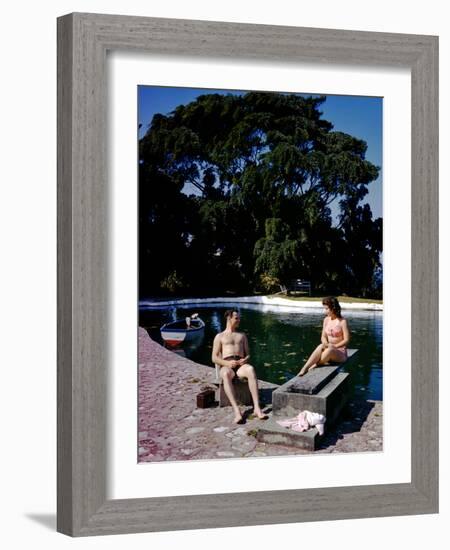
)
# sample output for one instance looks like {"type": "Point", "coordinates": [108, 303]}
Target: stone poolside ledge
{"type": "Point", "coordinates": [171, 427]}
{"type": "Point", "coordinates": [277, 301]}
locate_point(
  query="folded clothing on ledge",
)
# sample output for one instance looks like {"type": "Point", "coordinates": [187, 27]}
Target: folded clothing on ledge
{"type": "Point", "coordinates": [304, 421]}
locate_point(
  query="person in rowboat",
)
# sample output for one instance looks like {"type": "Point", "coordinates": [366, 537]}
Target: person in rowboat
{"type": "Point", "coordinates": [335, 337]}
{"type": "Point", "coordinates": [231, 352]}
{"type": "Point", "coordinates": [188, 320]}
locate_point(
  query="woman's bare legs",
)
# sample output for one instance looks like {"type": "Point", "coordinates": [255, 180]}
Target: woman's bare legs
{"type": "Point", "coordinates": [313, 360]}
{"type": "Point", "coordinates": [327, 354]}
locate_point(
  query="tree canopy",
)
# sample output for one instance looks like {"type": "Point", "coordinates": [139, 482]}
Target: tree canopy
{"type": "Point", "coordinates": [265, 168]}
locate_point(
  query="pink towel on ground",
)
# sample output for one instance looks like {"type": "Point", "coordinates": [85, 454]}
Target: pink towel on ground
{"type": "Point", "coordinates": [304, 421]}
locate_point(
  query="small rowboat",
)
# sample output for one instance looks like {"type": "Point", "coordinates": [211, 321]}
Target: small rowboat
{"type": "Point", "coordinates": [182, 331]}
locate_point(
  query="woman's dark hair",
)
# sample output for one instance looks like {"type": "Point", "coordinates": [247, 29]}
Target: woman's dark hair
{"type": "Point", "coordinates": [333, 304]}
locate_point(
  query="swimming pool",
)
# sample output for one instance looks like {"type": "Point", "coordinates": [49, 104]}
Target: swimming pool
{"type": "Point", "coordinates": [281, 340]}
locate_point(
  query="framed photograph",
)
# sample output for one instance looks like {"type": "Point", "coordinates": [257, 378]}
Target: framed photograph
{"type": "Point", "coordinates": [203, 216]}
{"type": "Point", "coordinates": [270, 206]}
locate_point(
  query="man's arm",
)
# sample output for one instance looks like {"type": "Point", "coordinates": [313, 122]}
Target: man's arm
{"type": "Point", "coordinates": [245, 350]}
{"type": "Point", "coordinates": [216, 355]}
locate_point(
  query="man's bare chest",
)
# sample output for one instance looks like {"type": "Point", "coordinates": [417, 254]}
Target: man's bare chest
{"type": "Point", "coordinates": [232, 339]}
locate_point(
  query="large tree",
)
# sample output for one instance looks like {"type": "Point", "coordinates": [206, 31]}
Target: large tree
{"type": "Point", "coordinates": [266, 167]}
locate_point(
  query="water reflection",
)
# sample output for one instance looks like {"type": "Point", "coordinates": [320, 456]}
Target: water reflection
{"type": "Point", "coordinates": [216, 321]}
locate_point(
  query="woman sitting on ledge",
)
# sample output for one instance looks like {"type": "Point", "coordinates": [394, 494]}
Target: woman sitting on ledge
{"type": "Point", "coordinates": [335, 337]}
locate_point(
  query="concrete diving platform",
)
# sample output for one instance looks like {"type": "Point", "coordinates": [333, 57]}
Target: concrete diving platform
{"type": "Point", "coordinates": [323, 390]}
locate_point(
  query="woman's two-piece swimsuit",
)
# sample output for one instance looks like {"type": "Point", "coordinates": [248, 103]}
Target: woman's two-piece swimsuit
{"type": "Point", "coordinates": [336, 332]}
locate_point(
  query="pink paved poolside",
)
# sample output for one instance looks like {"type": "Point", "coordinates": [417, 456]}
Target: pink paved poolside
{"type": "Point", "coordinates": [171, 427]}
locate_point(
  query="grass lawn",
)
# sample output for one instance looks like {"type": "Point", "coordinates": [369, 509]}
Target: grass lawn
{"type": "Point", "coordinates": [342, 299]}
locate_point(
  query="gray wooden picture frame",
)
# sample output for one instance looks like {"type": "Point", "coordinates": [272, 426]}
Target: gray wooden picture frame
{"type": "Point", "coordinates": [83, 42]}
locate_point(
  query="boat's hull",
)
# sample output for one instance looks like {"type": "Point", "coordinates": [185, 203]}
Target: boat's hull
{"type": "Point", "coordinates": [176, 336]}
{"type": "Point", "coordinates": [173, 338]}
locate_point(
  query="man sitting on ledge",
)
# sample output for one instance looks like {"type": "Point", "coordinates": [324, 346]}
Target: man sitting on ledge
{"type": "Point", "coordinates": [230, 351]}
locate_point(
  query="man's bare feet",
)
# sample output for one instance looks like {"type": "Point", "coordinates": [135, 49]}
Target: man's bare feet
{"type": "Point", "coordinates": [259, 414]}
{"type": "Point", "coordinates": [238, 418]}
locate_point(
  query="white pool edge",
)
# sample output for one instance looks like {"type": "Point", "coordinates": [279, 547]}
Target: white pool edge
{"type": "Point", "coordinates": [262, 300]}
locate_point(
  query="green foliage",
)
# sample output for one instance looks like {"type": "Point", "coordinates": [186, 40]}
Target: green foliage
{"type": "Point", "coordinates": [265, 168]}
{"type": "Point", "coordinates": [268, 283]}
{"type": "Point", "coordinates": [276, 254]}
{"type": "Point", "coordinates": [172, 282]}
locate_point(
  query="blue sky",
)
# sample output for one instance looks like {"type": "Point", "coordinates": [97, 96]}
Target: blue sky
{"type": "Point", "coordinates": [359, 116]}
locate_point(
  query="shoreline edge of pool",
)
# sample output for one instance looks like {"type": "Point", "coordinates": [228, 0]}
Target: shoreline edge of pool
{"type": "Point", "coordinates": [260, 300]}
